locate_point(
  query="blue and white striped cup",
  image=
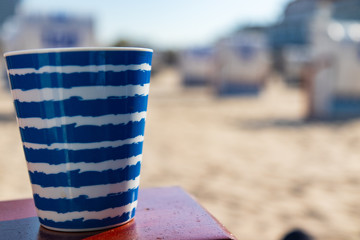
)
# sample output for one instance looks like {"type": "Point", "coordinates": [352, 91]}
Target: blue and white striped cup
{"type": "Point", "coordinates": [81, 113]}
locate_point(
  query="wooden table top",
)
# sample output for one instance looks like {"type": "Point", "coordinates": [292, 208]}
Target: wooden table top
{"type": "Point", "coordinates": [162, 213]}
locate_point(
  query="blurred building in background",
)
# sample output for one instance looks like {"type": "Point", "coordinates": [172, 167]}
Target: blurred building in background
{"type": "Point", "coordinates": [346, 9]}
{"type": "Point", "coordinates": [7, 9]}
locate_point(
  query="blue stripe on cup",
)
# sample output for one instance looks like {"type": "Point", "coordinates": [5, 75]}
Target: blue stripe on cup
{"type": "Point", "coordinates": [81, 58]}
{"type": "Point", "coordinates": [59, 156]}
{"type": "Point", "coordinates": [82, 134]}
{"type": "Point", "coordinates": [78, 107]}
{"type": "Point", "coordinates": [86, 178]}
{"type": "Point", "coordinates": [83, 203]}
{"type": "Point", "coordinates": [55, 80]}
{"type": "Point", "coordinates": [78, 222]}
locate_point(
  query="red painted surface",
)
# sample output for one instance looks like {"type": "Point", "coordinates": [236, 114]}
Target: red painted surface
{"type": "Point", "coordinates": [162, 213]}
{"type": "Point", "coordinates": [11, 210]}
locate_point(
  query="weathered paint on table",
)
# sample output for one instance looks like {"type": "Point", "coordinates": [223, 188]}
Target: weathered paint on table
{"type": "Point", "coordinates": [162, 213]}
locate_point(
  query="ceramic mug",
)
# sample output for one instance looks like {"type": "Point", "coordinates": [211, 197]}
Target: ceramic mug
{"type": "Point", "coordinates": [81, 114]}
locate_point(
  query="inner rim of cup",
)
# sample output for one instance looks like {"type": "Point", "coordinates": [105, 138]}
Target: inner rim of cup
{"type": "Point", "coordinates": [76, 49]}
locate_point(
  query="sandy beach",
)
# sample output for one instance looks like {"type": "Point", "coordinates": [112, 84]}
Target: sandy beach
{"type": "Point", "coordinates": [251, 162]}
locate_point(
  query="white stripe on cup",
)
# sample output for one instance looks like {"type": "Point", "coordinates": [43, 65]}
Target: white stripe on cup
{"type": "Point", "coordinates": [82, 166]}
{"type": "Point", "coordinates": [82, 146]}
{"type": "Point", "coordinates": [115, 119]}
{"type": "Point", "coordinates": [88, 191]}
{"type": "Point", "coordinates": [81, 69]}
{"type": "Point", "coordinates": [87, 215]}
{"type": "Point", "coordinates": [85, 93]}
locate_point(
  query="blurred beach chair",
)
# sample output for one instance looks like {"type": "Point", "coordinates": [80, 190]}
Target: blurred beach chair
{"type": "Point", "coordinates": [32, 31]}
{"type": "Point", "coordinates": [242, 63]}
{"type": "Point", "coordinates": [333, 87]}
{"type": "Point", "coordinates": [197, 66]}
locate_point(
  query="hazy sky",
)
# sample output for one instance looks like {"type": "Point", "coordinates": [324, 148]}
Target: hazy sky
{"type": "Point", "coordinates": [165, 23]}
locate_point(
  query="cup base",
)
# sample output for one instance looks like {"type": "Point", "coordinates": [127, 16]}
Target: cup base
{"type": "Point", "coordinates": [84, 229]}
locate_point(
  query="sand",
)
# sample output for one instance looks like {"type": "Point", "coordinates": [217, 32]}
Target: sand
{"type": "Point", "coordinates": [251, 162]}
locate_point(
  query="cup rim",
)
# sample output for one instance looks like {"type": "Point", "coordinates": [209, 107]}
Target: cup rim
{"type": "Point", "coordinates": [75, 49]}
